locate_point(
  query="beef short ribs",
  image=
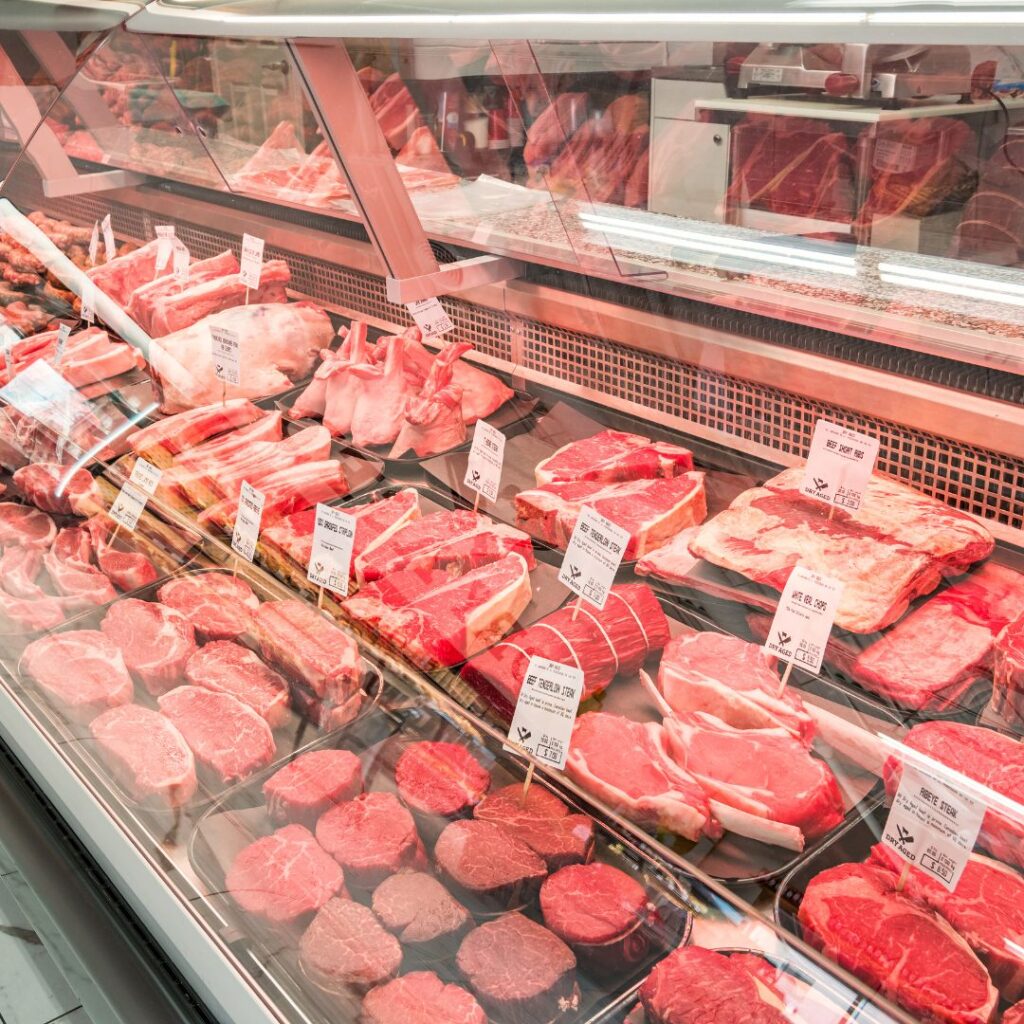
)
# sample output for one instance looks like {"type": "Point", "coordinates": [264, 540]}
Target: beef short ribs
{"type": "Point", "coordinates": [156, 641]}
{"type": "Point", "coordinates": [521, 972]}
{"type": "Point", "coordinates": [219, 606]}
{"type": "Point", "coordinates": [230, 741]}
{"type": "Point", "coordinates": [442, 779]}
{"type": "Point", "coordinates": [147, 753]}
{"type": "Point", "coordinates": [371, 837]}
{"type": "Point", "coordinates": [345, 950]}
{"type": "Point", "coordinates": [284, 877]}
{"type": "Point", "coordinates": [311, 785]}
{"type": "Point", "coordinates": [228, 667]}
{"type": "Point", "coordinates": [486, 867]}
{"type": "Point", "coordinates": [423, 914]}
{"type": "Point", "coordinates": [420, 998]}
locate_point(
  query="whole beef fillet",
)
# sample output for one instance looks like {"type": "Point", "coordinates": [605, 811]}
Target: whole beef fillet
{"type": "Point", "coordinates": [441, 779]}
{"type": "Point", "coordinates": [156, 641]}
{"type": "Point", "coordinates": [219, 606]}
{"type": "Point", "coordinates": [420, 998]}
{"type": "Point", "coordinates": [284, 877]}
{"type": "Point", "coordinates": [424, 915]}
{"type": "Point", "coordinates": [346, 950]}
{"type": "Point", "coordinates": [371, 837]}
{"type": "Point", "coordinates": [311, 785]}
{"type": "Point", "coordinates": [519, 971]}
{"type": "Point", "coordinates": [488, 868]}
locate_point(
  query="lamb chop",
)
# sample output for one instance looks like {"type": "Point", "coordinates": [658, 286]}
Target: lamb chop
{"type": "Point", "coordinates": [383, 392]}
{"type": "Point", "coordinates": [433, 420]}
{"type": "Point", "coordinates": [342, 387]}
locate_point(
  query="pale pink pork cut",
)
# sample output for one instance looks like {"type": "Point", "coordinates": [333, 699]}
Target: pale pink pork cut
{"type": "Point", "coordinates": [440, 778]}
{"type": "Point", "coordinates": [127, 570]}
{"type": "Point", "coordinates": [231, 668]}
{"type": "Point", "coordinates": [218, 605]}
{"type": "Point", "coordinates": [162, 440]}
{"type": "Point", "coordinates": [19, 570]}
{"type": "Point", "coordinates": [26, 527]}
{"type": "Point", "coordinates": [156, 641]}
{"type": "Point", "coordinates": [81, 586]}
{"type": "Point", "coordinates": [421, 998]}
{"type": "Point", "coordinates": [423, 914]}
{"type": "Point", "coordinates": [611, 456]}
{"type": "Point", "coordinates": [22, 616]}
{"type": "Point", "coordinates": [50, 487]}
{"type": "Point", "coordinates": [311, 785]}
{"type": "Point", "coordinates": [230, 741]}
{"type": "Point", "coordinates": [147, 753]}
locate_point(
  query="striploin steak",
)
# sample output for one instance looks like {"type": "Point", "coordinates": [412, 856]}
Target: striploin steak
{"type": "Point", "coordinates": [420, 998]}
{"type": "Point", "coordinates": [311, 785]}
{"type": "Point", "coordinates": [156, 641]}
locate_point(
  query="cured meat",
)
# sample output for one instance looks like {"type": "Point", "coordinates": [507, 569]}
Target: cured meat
{"type": "Point", "coordinates": [147, 753]}
{"type": "Point", "coordinates": [854, 915]}
{"type": "Point", "coordinates": [156, 641]}
{"type": "Point", "coordinates": [228, 738]}
{"type": "Point", "coordinates": [165, 438]}
{"type": "Point", "coordinates": [627, 765]}
{"type": "Point", "coordinates": [652, 511]}
{"type": "Point", "coordinates": [420, 997]}
{"type": "Point", "coordinates": [230, 668]}
{"type": "Point", "coordinates": [1008, 673]}
{"type": "Point", "coordinates": [25, 527]}
{"type": "Point", "coordinates": [49, 487]}
{"type": "Point", "coordinates": [284, 877]}
{"type": "Point", "coordinates": [311, 785]}
{"type": "Point", "coordinates": [81, 671]}
{"type": "Point", "coordinates": [440, 778]}
{"type": "Point", "coordinates": [422, 913]}
{"type": "Point", "coordinates": [552, 128]}
{"type": "Point", "coordinates": [613, 456]}
{"type": "Point", "coordinates": [218, 605]}
{"type": "Point", "coordinates": [616, 640]}
{"type": "Point", "coordinates": [432, 421]}
{"type": "Point", "coordinates": [396, 110]}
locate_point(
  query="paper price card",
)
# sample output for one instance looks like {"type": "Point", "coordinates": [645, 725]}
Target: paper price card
{"type": "Point", "coordinates": [593, 556]}
{"type": "Point", "coordinates": [180, 261]}
{"type": "Point", "coordinates": [109, 245]}
{"type": "Point", "coordinates": [839, 465]}
{"type": "Point", "coordinates": [252, 261]}
{"type": "Point", "coordinates": [164, 245]}
{"type": "Point", "coordinates": [804, 617]}
{"type": "Point", "coordinates": [546, 711]}
{"type": "Point", "coordinates": [137, 490]}
{"type": "Point", "coordinates": [933, 825]}
{"type": "Point", "coordinates": [146, 477]}
{"type": "Point", "coordinates": [63, 333]}
{"type": "Point", "coordinates": [486, 457]}
{"type": "Point", "coordinates": [88, 304]}
{"type": "Point", "coordinates": [94, 243]}
{"type": "Point", "coordinates": [8, 336]}
{"type": "Point", "coordinates": [430, 317]}
{"type": "Point", "coordinates": [247, 521]}
{"type": "Point", "coordinates": [331, 558]}
{"type": "Point", "coordinates": [226, 346]}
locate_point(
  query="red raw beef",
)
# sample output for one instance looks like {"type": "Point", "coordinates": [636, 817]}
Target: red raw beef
{"type": "Point", "coordinates": [127, 570]}
{"type": "Point", "coordinates": [420, 998]}
{"type": "Point", "coordinates": [218, 605]}
{"type": "Point", "coordinates": [1008, 672]}
{"type": "Point", "coordinates": [311, 785]}
{"type": "Point", "coordinates": [1014, 1015]}
{"type": "Point", "coordinates": [284, 877]}
{"type": "Point", "coordinates": [612, 456]}
{"type": "Point", "coordinates": [423, 914]}
{"type": "Point", "coordinates": [440, 778]}
{"type": "Point", "coordinates": [156, 641]}
{"type": "Point", "coordinates": [228, 667]}
{"type": "Point", "coordinates": [40, 482]}
{"type": "Point", "coordinates": [26, 527]}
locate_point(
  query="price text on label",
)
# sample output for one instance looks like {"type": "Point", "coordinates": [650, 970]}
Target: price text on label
{"type": "Point", "coordinates": [225, 346]}
{"type": "Point", "coordinates": [164, 245]}
{"type": "Point", "coordinates": [63, 333]}
{"type": "Point", "coordinates": [483, 470]}
{"type": "Point", "coordinates": [331, 558]}
{"type": "Point", "coordinates": [593, 556]}
{"type": "Point", "coordinates": [108, 238]}
{"type": "Point", "coordinates": [252, 261]}
{"type": "Point", "coordinates": [146, 476]}
{"type": "Point", "coordinates": [247, 521]}
{"type": "Point", "coordinates": [546, 711]}
{"type": "Point", "coordinates": [804, 617]}
{"type": "Point", "coordinates": [430, 317]}
{"type": "Point", "coordinates": [88, 301]}
{"type": "Point", "coordinates": [839, 465]}
{"type": "Point", "coordinates": [128, 506]}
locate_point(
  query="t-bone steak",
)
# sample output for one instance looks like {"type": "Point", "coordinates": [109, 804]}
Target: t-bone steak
{"type": "Point", "coordinates": [440, 778]}
{"type": "Point", "coordinates": [156, 641]}
{"type": "Point", "coordinates": [311, 785]}
{"type": "Point", "coordinates": [423, 914]}
{"type": "Point", "coordinates": [219, 606]}
{"type": "Point", "coordinates": [421, 998]}
{"type": "Point", "coordinates": [611, 456]}
{"type": "Point", "coordinates": [231, 668]}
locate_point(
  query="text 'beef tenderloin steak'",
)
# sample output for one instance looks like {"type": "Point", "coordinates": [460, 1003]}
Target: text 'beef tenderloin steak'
{"type": "Point", "coordinates": [219, 606]}
{"type": "Point", "coordinates": [420, 998]}
{"type": "Point", "coordinates": [440, 778]}
{"type": "Point", "coordinates": [855, 916]}
{"type": "Point", "coordinates": [422, 913]}
{"type": "Point", "coordinates": [227, 737]}
{"type": "Point", "coordinates": [520, 971]}
{"type": "Point", "coordinates": [311, 785]}
{"type": "Point", "coordinates": [285, 876]}
{"type": "Point", "coordinates": [231, 668]}
{"type": "Point", "coordinates": [147, 753]}
{"type": "Point", "coordinates": [611, 456]}
{"type": "Point", "coordinates": [156, 641]}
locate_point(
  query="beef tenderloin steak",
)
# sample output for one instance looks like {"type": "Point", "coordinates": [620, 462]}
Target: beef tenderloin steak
{"type": "Point", "coordinates": [420, 998]}
{"type": "Point", "coordinates": [423, 914]}
{"type": "Point", "coordinates": [440, 778]}
{"type": "Point", "coordinates": [311, 785]}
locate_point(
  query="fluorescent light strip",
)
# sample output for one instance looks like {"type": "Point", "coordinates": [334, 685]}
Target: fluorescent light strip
{"type": "Point", "coordinates": [945, 277]}
{"type": "Point", "coordinates": [948, 289]}
{"type": "Point", "coordinates": [972, 18]}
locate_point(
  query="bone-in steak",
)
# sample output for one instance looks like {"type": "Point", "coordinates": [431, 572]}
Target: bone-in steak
{"type": "Point", "coordinates": [26, 527]}
{"type": "Point", "coordinates": [421, 998]}
{"type": "Point", "coordinates": [440, 778]}
{"type": "Point", "coordinates": [231, 668]}
{"type": "Point", "coordinates": [311, 785]}
{"type": "Point", "coordinates": [422, 913]}
{"type": "Point", "coordinates": [156, 641]}
{"type": "Point", "coordinates": [611, 456]}
{"type": "Point", "coordinates": [219, 606]}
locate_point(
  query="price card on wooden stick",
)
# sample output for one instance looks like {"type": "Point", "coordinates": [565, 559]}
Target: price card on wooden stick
{"type": "Point", "coordinates": [131, 500]}
{"type": "Point", "coordinates": [94, 244]}
{"type": "Point", "coordinates": [251, 262]}
{"type": "Point", "coordinates": [247, 521]}
{"type": "Point", "coordinates": [593, 556]}
{"type": "Point", "coordinates": [546, 711]}
{"type": "Point", "coordinates": [63, 333]}
{"type": "Point", "coordinates": [109, 245]}
{"type": "Point", "coordinates": [803, 618]}
{"type": "Point", "coordinates": [226, 347]}
{"type": "Point", "coordinates": [180, 261]}
{"type": "Point", "coordinates": [486, 457]}
{"type": "Point", "coordinates": [164, 245]}
{"type": "Point", "coordinates": [839, 465]}
{"type": "Point", "coordinates": [88, 302]}
{"type": "Point", "coordinates": [331, 559]}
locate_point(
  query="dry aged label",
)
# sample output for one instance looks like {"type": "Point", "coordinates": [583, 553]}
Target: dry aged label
{"type": "Point", "coordinates": [137, 490]}
{"type": "Point", "coordinates": [839, 465]}
{"type": "Point", "coordinates": [804, 617]}
{"type": "Point", "coordinates": [252, 261]}
{"type": "Point", "coordinates": [180, 260]}
{"type": "Point", "coordinates": [109, 245]}
{"type": "Point", "coordinates": [88, 303]}
{"type": "Point", "coordinates": [164, 245]}
{"type": "Point", "coordinates": [486, 457]}
{"type": "Point", "coordinates": [933, 825]}
{"type": "Point", "coordinates": [226, 348]}
{"type": "Point", "coordinates": [63, 333]}
{"type": "Point", "coordinates": [593, 556]}
{"type": "Point", "coordinates": [94, 243]}
{"type": "Point", "coordinates": [329, 563]}
{"type": "Point", "coordinates": [430, 317]}
{"type": "Point", "coordinates": [546, 711]}
{"type": "Point", "coordinates": [247, 521]}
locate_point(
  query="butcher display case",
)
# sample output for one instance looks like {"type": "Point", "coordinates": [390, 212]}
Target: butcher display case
{"type": "Point", "coordinates": [517, 516]}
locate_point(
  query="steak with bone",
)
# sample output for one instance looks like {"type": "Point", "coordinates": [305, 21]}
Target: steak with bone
{"type": "Point", "coordinates": [612, 456]}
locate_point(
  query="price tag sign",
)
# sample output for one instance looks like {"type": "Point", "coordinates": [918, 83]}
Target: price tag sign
{"type": "Point", "coordinates": [483, 471]}
{"type": "Point", "coordinates": [839, 465]}
{"type": "Point", "coordinates": [146, 477]}
{"type": "Point", "coordinates": [804, 617]}
{"type": "Point", "coordinates": [933, 826]}
{"type": "Point", "coordinates": [593, 556]}
{"type": "Point", "coordinates": [94, 243]}
{"type": "Point", "coordinates": [331, 559]}
{"type": "Point", "coordinates": [247, 521]}
{"type": "Point", "coordinates": [226, 346]}
{"type": "Point", "coordinates": [88, 302]}
{"type": "Point", "coordinates": [109, 245]}
{"type": "Point", "coordinates": [63, 333]}
{"type": "Point", "coordinates": [546, 711]}
{"type": "Point", "coordinates": [181, 258]}
{"type": "Point", "coordinates": [164, 245]}
{"type": "Point", "coordinates": [252, 261]}
{"type": "Point", "coordinates": [430, 317]}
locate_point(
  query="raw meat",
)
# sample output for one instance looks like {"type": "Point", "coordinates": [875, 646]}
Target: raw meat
{"type": "Point", "coordinates": [343, 387]}
{"type": "Point", "coordinates": [310, 648]}
{"type": "Point", "coordinates": [733, 680]}
{"type": "Point", "coordinates": [397, 112]}
{"type": "Point", "coordinates": [1008, 672]}
{"type": "Point", "coordinates": [218, 605]}
{"type": "Point", "coordinates": [229, 444]}
{"type": "Point", "coordinates": [652, 511]}
{"type": "Point", "coordinates": [380, 394]}
{"type": "Point", "coordinates": [141, 305]}
{"type": "Point", "coordinates": [423, 914]}
{"type": "Point", "coordinates": [311, 785]}
{"type": "Point", "coordinates": [19, 569]}
{"type": "Point", "coordinates": [440, 778]}
{"type": "Point", "coordinates": [345, 950]}
{"type": "Point", "coordinates": [82, 586]}
{"type": "Point", "coordinates": [987, 909]}
{"type": "Point", "coordinates": [432, 421]}
{"type": "Point", "coordinates": [616, 640]}
{"type": "Point", "coordinates": [165, 438]}
{"type": "Point", "coordinates": [25, 527]}
{"type": "Point", "coordinates": [284, 877]}
{"type": "Point", "coordinates": [230, 668]}
{"type": "Point", "coordinates": [371, 836]}
{"type": "Point", "coordinates": [457, 541]}
{"type": "Point", "coordinates": [81, 671]}
{"type": "Point", "coordinates": [49, 487]}
{"type": "Point", "coordinates": [519, 970]}
{"type": "Point", "coordinates": [156, 641]}
{"type": "Point", "coordinates": [552, 128]}
{"type": "Point", "coordinates": [227, 737]}
{"type": "Point", "coordinates": [627, 765]}
{"type": "Point", "coordinates": [542, 822]}
{"type": "Point", "coordinates": [985, 756]}
{"type": "Point", "coordinates": [487, 868]}
{"type": "Point", "coordinates": [613, 456]}
{"type": "Point", "coordinates": [20, 616]}
{"type": "Point", "coordinates": [420, 997]}
{"type": "Point", "coordinates": [1014, 1015]}
{"type": "Point", "coordinates": [699, 986]}
{"type": "Point", "coordinates": [123, 274]}
{"type": "Point", "coordinates": [854, 915]}
{"type": "Point", "coordinates": [73, 545]}
{"type": "Point", "coordinates": [127, 570]}
{"type": "Point", "coordinates": [147, 753]}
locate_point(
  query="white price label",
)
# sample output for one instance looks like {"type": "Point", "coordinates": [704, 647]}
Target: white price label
{"type": "Point", "coordinates": [593, 556]}
{"type": "Point", "coordinates": [247, 521]}
{"type": "Point", "coordinates": [63, 333]}
{"type": "Point", "coordinates": [145, 476]}
{"type": "Point", "coordinates": [804, 617]}
{"type": "Point", "coordinates": [333, 534]}
{"type": "Point", "coordinates": [933, 826]}
{"type": "Point", "coordinates": [226, 346]}
{"type": "Point", "coordinates": [839, 465]}
{"type": "Point", "coordinates": [483, 471]}
{"type": "Point", "coordinates": [252, 261]}
{"type": "Point", "coordinates": [430, 317]}
{"type": "Point", "coordinates": [88, 301]}
{"type": "Point", "coordinates": [894, 157]}
{"type": "Point", "coordinates": [766, 76]}
{"type": "Point", "coordinates": [180, 261]}
{"type": "Point", "coordinates": [164, 245]}
{"type": "Point", "coordinates": [94, 244]}
{"type": "Point", "coordinates": [546, 711]}
{"type": "Point", "coordinates": [109, 245]}
{"type": "Point", "coordinates": [128, 506]}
